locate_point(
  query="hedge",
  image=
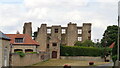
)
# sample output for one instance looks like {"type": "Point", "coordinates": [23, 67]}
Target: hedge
{"type": "Point", "coordinates": [82, 51]}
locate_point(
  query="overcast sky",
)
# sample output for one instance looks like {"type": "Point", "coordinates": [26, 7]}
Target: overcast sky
{"type": "Point", "coordinates": [101, 13]}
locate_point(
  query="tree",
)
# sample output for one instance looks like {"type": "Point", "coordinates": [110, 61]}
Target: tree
{"type": "Point", "coordinates": [88, 43]}
{"type": "Point", "coordinates": [78, 43]}
{"type": "Point", "coordinates": [110, 36]}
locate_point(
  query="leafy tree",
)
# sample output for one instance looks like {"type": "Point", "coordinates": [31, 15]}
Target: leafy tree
{"type": "Point", "coordinates": [110, 36]}
{"type": "Point", "coordinates": [88, 43]}
{"type": "Point", "coordinates": [97, 44]}
{"type": "Point", "coordinates": [78, 43]}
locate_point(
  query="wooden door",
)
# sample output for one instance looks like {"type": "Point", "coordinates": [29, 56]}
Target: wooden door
{"type": "Point", "coordinates": [54, 54]}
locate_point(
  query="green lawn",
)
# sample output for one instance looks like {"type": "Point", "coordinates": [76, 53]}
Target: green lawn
{"type": "Point", "coordinates": [61, 62]}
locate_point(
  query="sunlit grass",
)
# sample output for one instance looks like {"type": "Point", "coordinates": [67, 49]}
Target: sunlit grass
{"type": "Point", "coordinates": [61, 62]}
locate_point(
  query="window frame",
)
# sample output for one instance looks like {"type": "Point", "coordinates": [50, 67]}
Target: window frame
{"type": "Point", "coordinates": [79, 38]}
{"type": "Point", "coordinates": [79, 31]}
{"type": "Point", "coordinates": [63, 31]}
{"type": "Point", "coordinates": [49, 31]}
{"type": "Point", "coordinates": [56, 30]}
{"type": "Point", "coordinates": [19, 40]}
{"type": "Point", "coordinates": [54, 44]}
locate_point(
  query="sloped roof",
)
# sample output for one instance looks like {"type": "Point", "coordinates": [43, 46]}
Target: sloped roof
{"type": "Point", "coordinates": [3, 36]}
{"type": "Point", "coordinates": [27, 39]}
{"type": "Point", "coordinates": [112, 45]}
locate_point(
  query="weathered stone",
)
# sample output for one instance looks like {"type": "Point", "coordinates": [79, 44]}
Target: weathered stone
{"type": "Point", "coordinates": [27, 28]}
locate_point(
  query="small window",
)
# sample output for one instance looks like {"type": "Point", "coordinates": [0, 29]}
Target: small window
{"type": "Point", "coordinates": [79, 38]}
{"type": "Point", "coordinates": [48, 45]}
{"type": "Point", "coordinates": [48, 38]}
{"type": "Point", "coordinates": [17, 50]}
{"type": "Point", "coordinates": [89, 31]}
{"type": "Point", "coordinates": [79, 31]}
{"type": "Point", "coordinates": [48, 31]}
{"type": "Point", "coordinates": [56, 30]}
{"type": "Point", "coordinates": [63, 31]}
{"type": "Point", "coordinates": [54, 44]}
{"type": "Point", "coordinates": [18, 40]}
{"type": "Point", "coordinates": [28, 50]}
{"type": "Point", "coordinates": [89, 38]}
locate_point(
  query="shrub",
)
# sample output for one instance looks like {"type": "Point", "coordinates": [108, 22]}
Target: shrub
{"type": "Point", "coordinates": [87, 43]}
{"type": "Point", "coordinates": [32, 52]}
{"type": "Point", "coordinates": [21, 54]}
{"type": "Point", "coordinates": [81, 51]}
{"type": "Point", "coordinates": [78, 43]}
{"type": "Point", "coordinates": [114, 58]}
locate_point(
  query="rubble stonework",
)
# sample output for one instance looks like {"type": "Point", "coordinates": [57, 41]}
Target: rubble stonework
{"type": "Point", "coordinates": [27, 29]}
{"type": "Point", "coordinates": [50, 38]}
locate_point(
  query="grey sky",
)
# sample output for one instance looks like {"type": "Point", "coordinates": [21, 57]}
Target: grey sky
{"type": "Point", "coordinates": [101, 13]}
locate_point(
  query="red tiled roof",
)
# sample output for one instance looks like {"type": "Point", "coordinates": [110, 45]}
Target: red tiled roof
{"type": "Point", "coordinates": [27, 39]}
{"type": "Point", "coordinates": [112, 45]}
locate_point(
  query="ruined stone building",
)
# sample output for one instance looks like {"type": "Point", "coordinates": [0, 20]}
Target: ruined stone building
{"type": "Point", "coordinates": [27, 29]}
{"type": "Point", "coordinates": [50, 38]}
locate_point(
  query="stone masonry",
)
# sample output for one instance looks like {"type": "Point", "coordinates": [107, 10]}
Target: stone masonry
{"type": "Point", "coordinates": [27, 29]}
{"type": "Point", "coordinates": [50, 38]}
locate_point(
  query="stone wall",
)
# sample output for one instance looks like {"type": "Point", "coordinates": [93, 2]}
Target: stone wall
{"type": "Point", "coordinates": [83, 58]}
{"type": "Point", "coordinates": [28, 59]}
{"type": "Point", "coordinates": [86, 31]}
{"type": "Point", "coordinates": [27, 28]}
{"type": "Point", "coordinates": [4, 52]}
{"type": "Point", "coordinates": [71, 34]}
{"type": "Point", "coordinates": [42, 37]}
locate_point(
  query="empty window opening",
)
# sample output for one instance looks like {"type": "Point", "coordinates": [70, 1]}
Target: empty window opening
{"type": "Point", "coordinates": [48, 31]}
{"type": "Point", "coordinates": [48, 38]}
{"type": "Point", "coordinates": [89, 31]}
{"type": "Point", "coordinates": [79, 38]}
{"type": "Point", "coordinates": [89, 38]}
{"type": "Point", "coordinates": [79, 31]}
{"type": "Point", "coordinates": [63, 31]}
{"type": "Point", "coordinates": [54, 44]}
{"type": "Point", "coordinates": [56, 30]}
{"type": "Point", "coordinates": [48, 45]}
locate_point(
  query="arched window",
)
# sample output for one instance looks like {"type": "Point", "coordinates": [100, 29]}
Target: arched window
{"type": "Point", "coordinates": [16, 50]}
{"type": "Point", "coordinates": [28, 50]}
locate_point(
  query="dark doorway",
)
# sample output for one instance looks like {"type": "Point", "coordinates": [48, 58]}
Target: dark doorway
{"type": "Point", "coordinates": [54, 54]}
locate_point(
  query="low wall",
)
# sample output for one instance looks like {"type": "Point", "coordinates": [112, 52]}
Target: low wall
{"type": "Point", "coordinates": [83, 58]}
{"type": "Point", "coordinates": [28, 59]}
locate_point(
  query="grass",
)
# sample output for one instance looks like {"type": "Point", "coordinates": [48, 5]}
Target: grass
{"type": "Point", "coordinates": [62, 62]}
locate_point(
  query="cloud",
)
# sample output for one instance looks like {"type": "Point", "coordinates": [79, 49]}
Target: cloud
{"type": "Point", "coordinates": [54, 3]}
{"type": "Point", "coordinates": [107, 1]}
{"type": "Point", "coordinates": [60, 12]}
